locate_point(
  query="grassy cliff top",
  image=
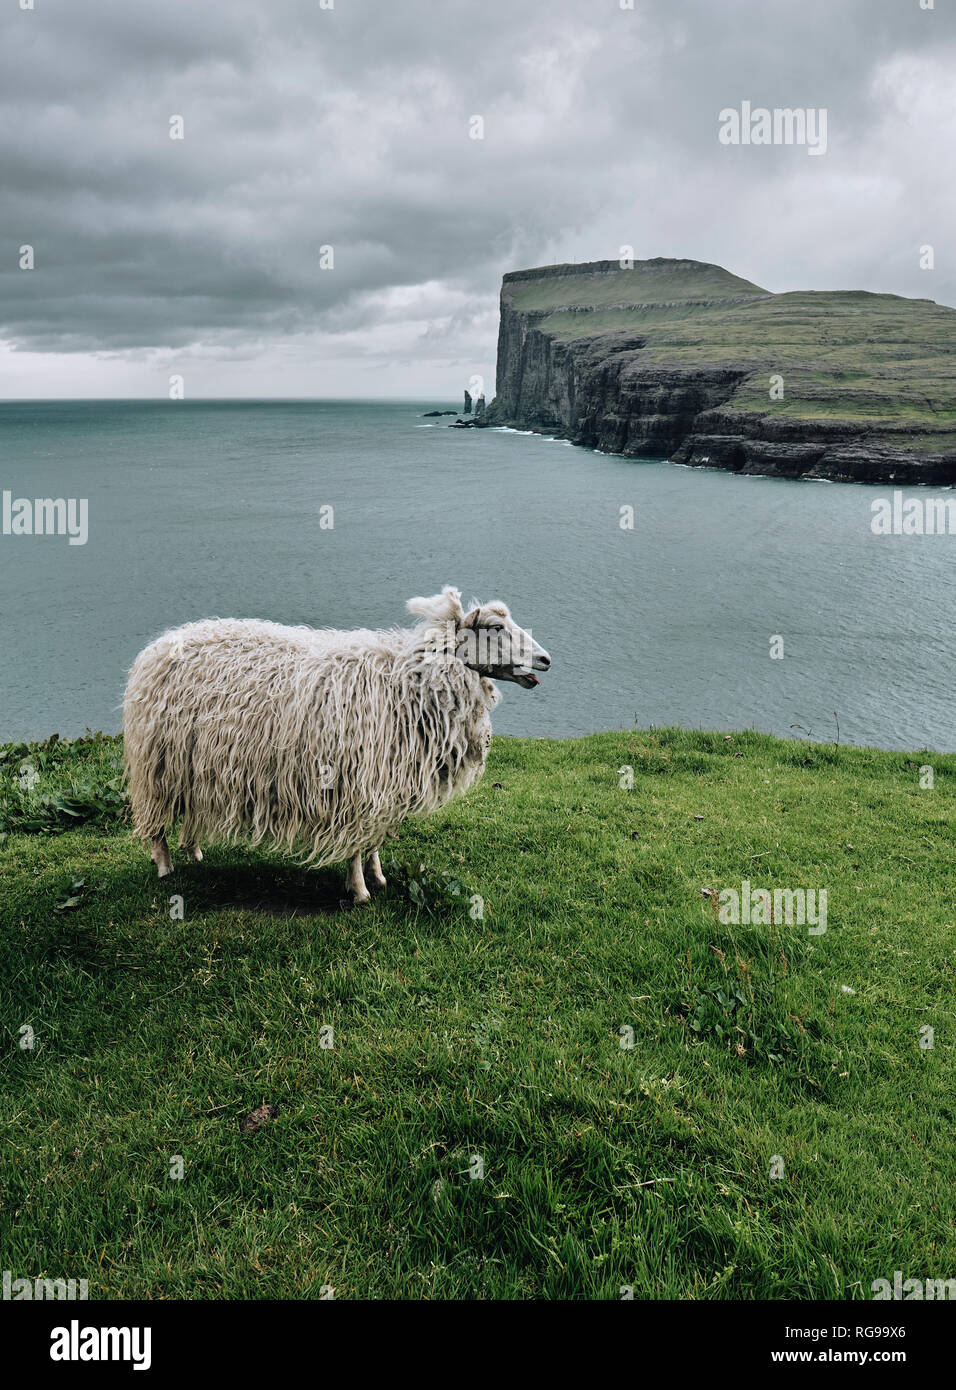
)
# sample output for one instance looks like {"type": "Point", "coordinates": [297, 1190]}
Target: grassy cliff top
{"type": "Point", "coordinates": [627, 1066]}
{"type": "Point", "coordinates": [844, 354]}
{"type": "Point", "coordinates": [598, 284]}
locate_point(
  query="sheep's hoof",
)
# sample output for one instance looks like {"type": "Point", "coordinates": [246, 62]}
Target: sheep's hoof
{"type": "Point", "coordinates": [359, 898]}
{"type": "Point", "coordinates": [195, 853]}
{"type": "Point", "coordinates": [374, 882]}
{"type": "Point", "coordinates": [159, 853]}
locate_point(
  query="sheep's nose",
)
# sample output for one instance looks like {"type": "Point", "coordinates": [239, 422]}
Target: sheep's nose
{"type": "Point", "coordinates": [542, 661]}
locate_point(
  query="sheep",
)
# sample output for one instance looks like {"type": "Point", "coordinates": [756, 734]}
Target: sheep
{"type": "Point", "coordinates": [315, 741]}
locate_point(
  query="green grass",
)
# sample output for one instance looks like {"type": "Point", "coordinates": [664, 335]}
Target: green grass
{"type": "Point", "coordinates": [496, 1036]}
{"type": "Point", "coordinates": [647, 282]}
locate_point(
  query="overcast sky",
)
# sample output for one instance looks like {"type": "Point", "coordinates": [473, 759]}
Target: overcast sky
{"type": "Point", "coordinates": [351, 127]}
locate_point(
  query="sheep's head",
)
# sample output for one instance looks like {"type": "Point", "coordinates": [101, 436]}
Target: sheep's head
{"type": "Point", "coordinates": [488, 640]}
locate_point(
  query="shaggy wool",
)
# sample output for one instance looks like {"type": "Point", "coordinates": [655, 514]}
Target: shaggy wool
{"type": "Point", "coordinates": [316, 741]}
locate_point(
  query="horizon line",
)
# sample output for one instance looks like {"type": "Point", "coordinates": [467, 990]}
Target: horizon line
{"type": "Point", "coordinates": [193, 400]}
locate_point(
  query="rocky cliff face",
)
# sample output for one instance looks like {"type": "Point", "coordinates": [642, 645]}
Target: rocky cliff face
{"type": "Point", "coordinates": [680, 360]}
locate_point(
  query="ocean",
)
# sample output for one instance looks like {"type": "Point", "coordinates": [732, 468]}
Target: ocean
{"type": "Point", "coordinates": [333, 513]}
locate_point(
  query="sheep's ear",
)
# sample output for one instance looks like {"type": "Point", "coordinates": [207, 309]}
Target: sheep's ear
{"type": "Point", "coordinates": [471, 619]}
{"type": "Point", "coordinates": [453, 598]}
{"type": "Point", "coordinates": [422, 607]}
{"type": "Point", "coordinates": [440, 608]}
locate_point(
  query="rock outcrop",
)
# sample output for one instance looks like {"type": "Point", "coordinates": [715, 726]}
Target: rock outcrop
{"type": "Point", "coordinates": [682, 360]}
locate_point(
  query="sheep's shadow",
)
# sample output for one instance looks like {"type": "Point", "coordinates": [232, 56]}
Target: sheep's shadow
{"type": "Point", "coordinates": [274, 890]}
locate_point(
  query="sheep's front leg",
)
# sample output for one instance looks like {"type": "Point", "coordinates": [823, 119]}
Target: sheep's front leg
{"type": "Point", "coordinates": [192, 851]}
{"type": "Point", "coordinates": [373, 869]}
{"type": "Point", "coordinates": [160, 855]}
{"type": "Point", "coordinates": [360, 893]}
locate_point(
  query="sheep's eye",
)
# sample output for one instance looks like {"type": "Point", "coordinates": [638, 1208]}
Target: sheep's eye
{"type": "Point", "coordinates": [494, 627]}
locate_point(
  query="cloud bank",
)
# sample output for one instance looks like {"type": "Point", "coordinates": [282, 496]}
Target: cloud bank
{"type": "Point", "coordinates": [307, 127]}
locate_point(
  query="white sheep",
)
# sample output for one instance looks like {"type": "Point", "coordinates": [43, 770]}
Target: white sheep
{"type": "Point", "coordinates": [314, 740]}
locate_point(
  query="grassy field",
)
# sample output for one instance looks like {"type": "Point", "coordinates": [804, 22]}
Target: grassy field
{"type": "Point", "coordinates": [477, 1010]}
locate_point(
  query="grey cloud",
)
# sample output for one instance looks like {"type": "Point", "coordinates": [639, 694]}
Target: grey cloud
{"type": "Point", "coordinates": [349, 127]}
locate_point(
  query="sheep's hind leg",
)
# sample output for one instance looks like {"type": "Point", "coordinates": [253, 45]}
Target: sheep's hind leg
{"type": "Point", "coordinates": [373, 869]}
{"type": "Point", "coordinates": [191, 851]}
{"type": "Point", "coordinates": [160, 855]}
{"type": "Point", "coordinates": [357, 888]}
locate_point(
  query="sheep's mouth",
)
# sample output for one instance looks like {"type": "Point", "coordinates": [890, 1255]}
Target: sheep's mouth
{"type": "Point", "coordinates": [521, 677]}
{"type": "Point", "coordinates": [526, 680]}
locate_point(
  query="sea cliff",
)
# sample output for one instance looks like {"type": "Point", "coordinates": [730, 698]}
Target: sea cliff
{"type": "Point", "coordinates": [679, 359]}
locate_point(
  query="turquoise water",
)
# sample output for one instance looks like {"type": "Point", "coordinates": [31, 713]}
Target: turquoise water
{"type": "Point", "coordinates": [213, 508]}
